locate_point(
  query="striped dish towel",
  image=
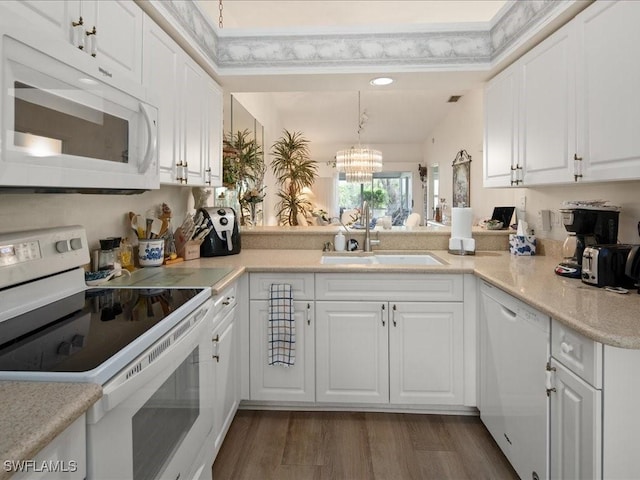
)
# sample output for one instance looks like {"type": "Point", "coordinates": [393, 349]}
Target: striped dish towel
{"type": "Point", "coordinates": [281, 331]}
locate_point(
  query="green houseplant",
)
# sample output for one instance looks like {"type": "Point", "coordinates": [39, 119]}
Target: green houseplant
{"type": "Point", "coordinates": [243, 170]}
{"type": "Point", "coordinates": [377, 198]}
{"type": "Point", "coordinates": [294, 170]}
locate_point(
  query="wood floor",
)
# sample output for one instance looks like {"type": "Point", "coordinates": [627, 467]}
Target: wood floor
{"type": "Point", "coordinates": [275, 445]}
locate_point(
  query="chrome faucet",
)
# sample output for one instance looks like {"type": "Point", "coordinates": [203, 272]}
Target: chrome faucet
{"type": "Point", "coordinates": [368, 243]}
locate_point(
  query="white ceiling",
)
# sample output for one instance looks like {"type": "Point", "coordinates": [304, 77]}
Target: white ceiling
{"type": "Point", "coordinates": [325, 107]}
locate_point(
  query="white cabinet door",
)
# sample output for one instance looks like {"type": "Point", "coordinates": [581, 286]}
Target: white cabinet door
{"type": "Point", "coordinates": [119, 35]}
{"type": "Point", "coordinates": [192, 123]}
{"type": "Point", "coordinates": [500, 130]}
{"type": "Point", "coordinates": [162, 60]}
{"type": "Point", "coordinates": [48, 16]}
{"type": "Point", "coordinates": [352, 352]}
{"type": "Point", "coordinates": [547, 110]}
{"type": "Point", "coordinates": [275, 382]}
{"type": "Point", "coordinates": [213, 135]}
{"type": "Point", "coordinates": [226, 393]}
{"type": "Point", "coordinates": [607, 82]}
{"type": "Point", "coordinates": [576, 427]}
{"type": "Point", "coordinates": [426, 353]}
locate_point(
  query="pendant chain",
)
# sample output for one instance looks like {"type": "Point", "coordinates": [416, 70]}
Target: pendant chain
{"type": "Point", "coordinates": [220, 15]}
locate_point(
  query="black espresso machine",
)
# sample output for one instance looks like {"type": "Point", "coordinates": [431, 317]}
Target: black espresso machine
{"type": "Point", "coordinates": [224, 235]}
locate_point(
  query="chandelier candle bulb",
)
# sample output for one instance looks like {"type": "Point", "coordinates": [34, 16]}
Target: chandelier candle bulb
{"type": "Point", "coordinates": [461, 241]}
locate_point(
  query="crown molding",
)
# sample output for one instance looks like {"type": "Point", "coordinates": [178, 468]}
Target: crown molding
{"type": "Point", "coordinates": [415, 48]}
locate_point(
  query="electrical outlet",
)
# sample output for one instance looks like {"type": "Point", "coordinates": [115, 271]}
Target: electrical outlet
{"type": "Point", "coordinates": [522, 203]}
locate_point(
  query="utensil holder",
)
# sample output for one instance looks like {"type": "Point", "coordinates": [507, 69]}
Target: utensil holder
{"type": "Point", "coordinates": [151, 252]}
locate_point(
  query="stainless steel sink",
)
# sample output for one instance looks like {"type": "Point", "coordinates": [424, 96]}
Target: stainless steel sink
{"type": "Point", "coordinates": [381, 259]}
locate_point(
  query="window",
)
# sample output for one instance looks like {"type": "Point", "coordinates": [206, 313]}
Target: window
{"type": "Point", "coordinates": [388, 194]}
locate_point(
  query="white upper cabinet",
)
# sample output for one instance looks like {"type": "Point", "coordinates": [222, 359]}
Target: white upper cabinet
{"type": "Point", "coordinates": [213, 145]}
{"type": "Point", "coordinates": [547, 111]}
{"type": "Point", "coordinates": [501, 167]}
{"type": "Point", "coordinates": [190, 112]}
{"type": "Point", "coordinates": [118, 35]}
{"type": "Point", "coordinates": [48, 16]}
{"type": "Point", "coordinates": [607, 83]}
{"type": "Point", "coordinates": [567, 111]}
{"type": "Point", "coordinates": [111, 31]}
{"type": "Point", "coordinates": [161, 59]}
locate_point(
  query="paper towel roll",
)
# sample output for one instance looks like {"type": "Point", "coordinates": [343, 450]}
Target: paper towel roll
{"type": "Point", "coordinates": [461, 221]}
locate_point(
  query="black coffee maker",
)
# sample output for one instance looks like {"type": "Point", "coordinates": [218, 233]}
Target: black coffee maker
{"type": "Point", "coordinates": [586, 226]}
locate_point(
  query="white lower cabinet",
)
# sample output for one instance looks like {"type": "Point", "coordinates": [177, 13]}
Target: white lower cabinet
{"type": "Point", "coordinates": [226, 364]}
{"type": "Point", "coordinates": [575, 433]}
{"type": "Point", "coordinates": [426, 353]}
{"type": "Point", "coordinates": [65, 456]}
{"type": "Point", "coordinates": [276, 382]}
{"type": "Point", "coordinates": [352, 345]}
{"type": "Point", "coordinates": [390, 348]}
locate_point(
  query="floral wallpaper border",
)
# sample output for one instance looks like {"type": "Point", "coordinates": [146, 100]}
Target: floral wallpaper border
{"type": "Point", "coordinates": [402, 49]}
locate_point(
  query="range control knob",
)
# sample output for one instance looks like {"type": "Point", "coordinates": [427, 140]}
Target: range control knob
{"type": "Point", "coordinates": [62, 246]}
{"type": "Point", "coordinates": [78, 340]}
{"type": "Point", "coordinates": [222, 211]}
{"type": "Point", "coordinates": [76, 243]}
{"type": "Point", "coordinates": [224, 221]}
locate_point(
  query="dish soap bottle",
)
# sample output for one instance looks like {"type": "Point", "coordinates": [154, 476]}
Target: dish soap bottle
{"type": "Point", "coordinates": [339, 241]}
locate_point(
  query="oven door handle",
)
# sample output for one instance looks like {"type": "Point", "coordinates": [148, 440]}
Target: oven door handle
{"type": "Point", "coordinates": [130, 381]}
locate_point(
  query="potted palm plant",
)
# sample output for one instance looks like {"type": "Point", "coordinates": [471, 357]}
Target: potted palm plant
{"type": "Point", "coordinates": [243, 171]}
{"type": "Point", "coordinates": [294, 170]}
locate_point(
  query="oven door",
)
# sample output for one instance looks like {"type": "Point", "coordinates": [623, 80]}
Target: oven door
{"type": "Point", "coordinates": [156, 414]}
{"type": "Point", "coordinates": [66, 129]}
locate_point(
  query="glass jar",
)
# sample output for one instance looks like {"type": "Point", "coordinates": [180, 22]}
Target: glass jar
{"type": "Point", "coordinates": [126, 255]}
{"type": "Point", "coordinates": [106, 255]}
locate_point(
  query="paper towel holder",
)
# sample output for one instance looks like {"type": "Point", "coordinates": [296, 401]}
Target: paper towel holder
{"type": "Point", "coordinates": [462, 246]}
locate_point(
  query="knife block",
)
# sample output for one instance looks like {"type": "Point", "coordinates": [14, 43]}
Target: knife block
{"type": "Point", "coordinates": [187, 249]}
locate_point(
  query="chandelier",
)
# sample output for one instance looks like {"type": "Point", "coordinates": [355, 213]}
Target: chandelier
{"type": "Point", "coordinates": [359, 163]}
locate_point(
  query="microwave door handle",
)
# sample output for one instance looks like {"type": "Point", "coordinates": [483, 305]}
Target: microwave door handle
{"type": "Point", "coordinates": [152, 140]}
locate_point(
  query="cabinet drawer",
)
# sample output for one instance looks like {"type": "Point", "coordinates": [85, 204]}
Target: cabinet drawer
{"type": "Point", "coordinates": [301, 284]}
{"type": "Point", "coordinates": [389, 286]}
{"type": "Point", "coordinates": [578, 353]}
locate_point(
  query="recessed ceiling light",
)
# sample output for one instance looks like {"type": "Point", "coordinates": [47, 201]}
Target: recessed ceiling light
{"type": "Point", "coordinates": [380, 81]}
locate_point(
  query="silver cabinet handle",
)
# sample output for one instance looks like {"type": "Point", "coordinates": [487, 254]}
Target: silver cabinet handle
{"type": "Point", "coordinates": [577, 167]}
{"type": "Point", "coordinates": [308, 314]}
{"type": "Point", "coordinates": [382, 315]}
{"type": "Point", "coordinates": [393, 315]}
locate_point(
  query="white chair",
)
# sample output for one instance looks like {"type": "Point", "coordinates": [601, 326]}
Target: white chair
{"type": "Point", "coordinates": [412, 220]}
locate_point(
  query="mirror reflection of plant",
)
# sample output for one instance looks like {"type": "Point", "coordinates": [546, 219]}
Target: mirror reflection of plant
{"type": "Point", "coordinates": [294, 170]}
{"type": "Point", "coordinates": [377, 198]}
{"type": "Point", "coordinates": [243, 167]}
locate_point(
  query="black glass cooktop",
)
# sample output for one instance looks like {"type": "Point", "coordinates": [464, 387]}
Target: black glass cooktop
{"type": "Point", "coordinates": [81, 332]}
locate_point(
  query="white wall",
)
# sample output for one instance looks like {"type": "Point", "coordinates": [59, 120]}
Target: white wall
{"type": "Point", "coordinates": [101, 215]}
{"type": "Point", "coordinates": [462, 129]}
{"type": "Point", "coordinates": [624, 194]}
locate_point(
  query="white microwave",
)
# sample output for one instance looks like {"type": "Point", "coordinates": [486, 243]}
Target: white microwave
{"type": "Point", "coordinates": [67, 126]}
